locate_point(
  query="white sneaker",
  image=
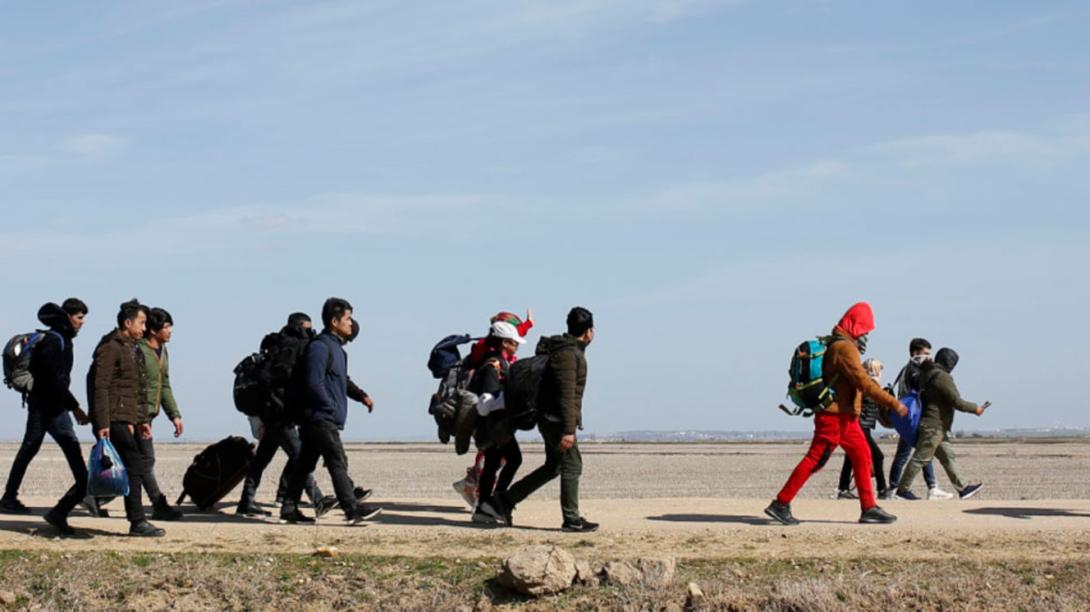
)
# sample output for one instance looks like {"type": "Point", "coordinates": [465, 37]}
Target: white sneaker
{"type": "Point", "coordinates": [467, 491]}
{"type": "Point", "coordinates": [937, 493]}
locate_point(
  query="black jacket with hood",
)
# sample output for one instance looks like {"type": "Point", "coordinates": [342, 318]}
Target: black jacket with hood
{"type": "Point", "coordinates": [51, 364]}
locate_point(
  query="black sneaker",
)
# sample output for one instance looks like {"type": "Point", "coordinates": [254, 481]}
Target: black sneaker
{"type": "Point", "coordinates": [362, 493]}
{"type": "Point", "coordinates": [294, 517]}
{"type": "Point", "coordinates": [366, 512]}
{"type": "Point", "coordinates": [781, 513]}
{"type": "Point", "coordinates": [13, 506]}
{"type": "Point", "coordinates": [145, 529]}
{"type": "Point", "coordinates": [163, 511]}
{"type": "Point", "coordinates": [493, 509]}
{"type": "Point", "coordinates": [970, 490]}
{"type": "Point", "coordinates": [877, 516]}
{"type": "Point", "coordinates": [846, 494]}
{"type": "Point", "coordinates": [907, 495]}
{"type": "Point", "coordinates": [252, 510]}
{"type": "Point", "coordinates": [60, 523]}
{"type": "Point", "coordinates": [581, 525]}
{"type": "Point", "coordinates": [324, 505]}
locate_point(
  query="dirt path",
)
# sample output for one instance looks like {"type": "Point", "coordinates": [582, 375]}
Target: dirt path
{"type": "Point", "coordinates": [685, 527]}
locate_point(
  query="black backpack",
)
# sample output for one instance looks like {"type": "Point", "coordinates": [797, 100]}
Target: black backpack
{"type": "Point", "coordinates": [17, 353]}
{"type": "Point", "coordinates": [522, 390]}
{"type": "Point", "coordinates": [250, 392]}
{"type": "Point", "coordinates": [296, 395]}
{"type": "Point", "coordinates": [451, 402]}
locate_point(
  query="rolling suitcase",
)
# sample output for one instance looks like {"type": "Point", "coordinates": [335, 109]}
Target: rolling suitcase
{"type": "Point", "coordinates": [215, 471]}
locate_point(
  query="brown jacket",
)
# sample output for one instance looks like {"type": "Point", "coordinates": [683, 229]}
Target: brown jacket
{"type": "Point", "coordinates": [564, 381]}
{"type": "Point", "coordinates": [843, 367]}
{"type": "Point", "coordinates": [117, 383]}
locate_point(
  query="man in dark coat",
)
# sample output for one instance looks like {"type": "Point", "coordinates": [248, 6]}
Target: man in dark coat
{"type": "Point", "coordinates": [50, 401]}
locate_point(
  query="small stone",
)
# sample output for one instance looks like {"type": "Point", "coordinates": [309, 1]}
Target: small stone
{"type": "Point", "coordinates": [327, 552]}
{"type": "Point", "coordinates": [621, 573]}
{"type": "Point", "coordinates": [583, 573]}
{"type": "Point", "coordinates": [8, 598]}
{"type": "Point", "coordinates": [658, 573]}
{"type": "Point", "coordinates": [695, 599]}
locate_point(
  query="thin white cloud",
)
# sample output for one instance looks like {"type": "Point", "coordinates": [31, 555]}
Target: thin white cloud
{"type": "Point", "coordinates": [92, 145]}
{"type": "Point", "coordinates": [887, 161]}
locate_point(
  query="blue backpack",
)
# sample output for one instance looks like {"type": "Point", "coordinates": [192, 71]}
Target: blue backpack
{"type": "Point", "coordinates": [808, 389]}
{"type": "Point", "coordinates": [445, 355]}
{"type": "Point", "coordinates": [906, 426]}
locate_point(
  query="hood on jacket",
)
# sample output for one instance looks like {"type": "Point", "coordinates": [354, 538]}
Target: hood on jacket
{"type": "Point", "coordinates": [858, 321]}
{"type": "Point", "coordinates": [54, 317]}
{"type": "Point", "coordinates": [297, 331]}
{"type": "Point", "coordinates": [947, 359]}
{"type": "Point", "coordinates": [548, 344]}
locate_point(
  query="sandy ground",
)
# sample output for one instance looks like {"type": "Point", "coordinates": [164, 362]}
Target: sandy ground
{"type": "Point", "coordinates": [697, 501]}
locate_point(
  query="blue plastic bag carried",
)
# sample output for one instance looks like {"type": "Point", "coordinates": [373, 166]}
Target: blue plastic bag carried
{"type": "Point", "coordinates": [107, 476]}
{"type": "Point", "coordinates": [906, 426]}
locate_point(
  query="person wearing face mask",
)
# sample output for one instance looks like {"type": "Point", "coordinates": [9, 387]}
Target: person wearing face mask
{"type": "Point", "coordinates": [940, 399]}
{"type": "Point", "coordinates": [867, 420]}
{"type": "Point", "coordinates": [908, 381]}
{"type": "Point", "coordinates": [838, 424]}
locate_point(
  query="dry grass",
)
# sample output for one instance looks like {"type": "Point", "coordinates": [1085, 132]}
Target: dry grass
{"type": "Point", "coordinates": [80, 581]}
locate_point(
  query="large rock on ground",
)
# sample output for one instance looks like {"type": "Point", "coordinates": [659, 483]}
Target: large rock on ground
{"type": "Point", "coordinates": [539, 570]}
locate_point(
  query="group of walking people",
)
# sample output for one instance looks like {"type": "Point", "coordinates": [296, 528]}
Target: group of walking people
{"type": "Point", "coordinates": [128, 384]}
{"type": "Point", "coordinates": [859, 402]}
{"type": "Point", "coordinates": [307, 392]}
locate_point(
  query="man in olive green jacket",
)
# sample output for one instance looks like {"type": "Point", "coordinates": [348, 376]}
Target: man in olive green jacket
{"type": "Point", "coordinates": [160, 328]}
{"type": "Point", "coordinates": [561, 414]}
{"type": "Point", "coordinates": [940, 398]}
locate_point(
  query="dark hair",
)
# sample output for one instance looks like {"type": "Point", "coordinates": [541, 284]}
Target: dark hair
{"type": "Point", "coordinates": [579, 321]}
{"type": "Point", "coordinates": [917, 345]}
{"type": "Point", "coordinates": [74, 306]}
{"type": "Point", "coordinates": [334, 308]}
{"type": "Point", "coordinates": [158, 318]}
{"type": "Point", "coordinates": [296, 319]}
{"type": "Point", "coordinates": [128, 311]}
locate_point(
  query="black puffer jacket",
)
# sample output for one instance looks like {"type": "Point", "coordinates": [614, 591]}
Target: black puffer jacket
{"type": "Point", "coordinates": [117, 383]}
{"type": "Point", "coordinates": [51, 364]}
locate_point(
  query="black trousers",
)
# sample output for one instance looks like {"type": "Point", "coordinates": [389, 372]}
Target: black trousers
{"type": "Point", "coordinates": [277, 437]}
{"type": "Point", "coordinates": [321, 439]}
{"type": "Point", "coordinates": [151, 485]}
{"type": "Point", "coordinates": [40, 422]}
{"type": "Point", "coordinates": [135, 462]}
{"type": "Point", "coordinates": [510, 456]}
{"type": "Point", "coordinates": [876, 459]}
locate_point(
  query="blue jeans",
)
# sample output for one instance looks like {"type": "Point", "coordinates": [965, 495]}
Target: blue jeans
{"type": "Point", "coordinates": [904, 453]}
{"type": "Point", "coordinates": [39, 423]}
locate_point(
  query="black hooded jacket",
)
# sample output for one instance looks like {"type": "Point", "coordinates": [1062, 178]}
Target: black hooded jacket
{"type": "Point", "coordinates": [51, 364]}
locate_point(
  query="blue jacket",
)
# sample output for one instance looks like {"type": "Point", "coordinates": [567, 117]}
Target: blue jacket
{"type": "Point", "coordinates": [326, 376]}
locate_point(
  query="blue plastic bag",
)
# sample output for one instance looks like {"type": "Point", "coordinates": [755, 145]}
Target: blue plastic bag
{"type": "Point", "coordinates": [906, 426]}
{"type": "Point", "coordinates": [107, 476]}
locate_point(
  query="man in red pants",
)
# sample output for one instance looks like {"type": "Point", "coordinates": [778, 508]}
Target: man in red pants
{"type": "Point", "coordinates": [838, 424]}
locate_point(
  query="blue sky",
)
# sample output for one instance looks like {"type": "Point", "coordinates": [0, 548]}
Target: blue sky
{"type": "Point", "coordinates": [717, 181]}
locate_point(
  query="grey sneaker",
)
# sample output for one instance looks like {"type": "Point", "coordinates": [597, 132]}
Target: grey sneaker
{"type": "Point", "coordinates": [781, 513]}
{"type": "Point", "coordinates": [877, 516]}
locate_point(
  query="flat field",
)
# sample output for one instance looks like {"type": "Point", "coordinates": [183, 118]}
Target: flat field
{"type": "Point", "coordinates": [1024, 542]}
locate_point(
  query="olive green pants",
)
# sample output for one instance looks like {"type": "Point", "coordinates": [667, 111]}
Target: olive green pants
{"type": "Point", "coordinates": [568, 465]}
{"type": "Point", "coordinates": [932, 443]}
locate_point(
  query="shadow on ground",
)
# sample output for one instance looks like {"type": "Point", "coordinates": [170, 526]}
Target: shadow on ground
{"type": "Point", "coordinates": [1027, 513]}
